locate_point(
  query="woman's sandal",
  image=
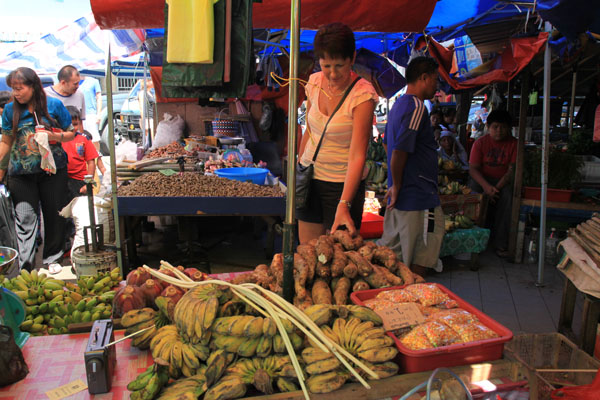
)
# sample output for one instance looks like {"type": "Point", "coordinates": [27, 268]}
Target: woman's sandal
{"type": "Point", "coordinates": [54, 268]}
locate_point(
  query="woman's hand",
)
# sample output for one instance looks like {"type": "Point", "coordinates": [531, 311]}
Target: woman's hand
{"type": "Point", "coordinates": [342, 217]}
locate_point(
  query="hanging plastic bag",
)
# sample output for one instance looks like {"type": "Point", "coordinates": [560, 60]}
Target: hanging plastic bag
{"type": "Point", "coordinates": [47, 164]}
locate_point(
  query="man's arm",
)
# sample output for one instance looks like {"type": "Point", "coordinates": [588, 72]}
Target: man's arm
{"type": "Point", "coordinates": [475, 173]}
{"type": "Point", "coordinates": [98, 106]}
{"type": "Point", "coordinates": [397, 164]}
{"type": "Point", "coordinates": [507, 178]}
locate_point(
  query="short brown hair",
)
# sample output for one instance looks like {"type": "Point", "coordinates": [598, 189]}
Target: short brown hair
{"type": "Point", "coordinates": [334, 40]}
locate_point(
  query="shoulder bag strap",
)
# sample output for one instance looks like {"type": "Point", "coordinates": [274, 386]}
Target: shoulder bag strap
{"type": "Point", "coordinates": [331, 116]}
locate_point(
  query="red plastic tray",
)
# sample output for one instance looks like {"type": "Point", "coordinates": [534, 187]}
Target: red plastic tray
{"type": "Point", "coordinates": [558, 195]}
{"type": "Point", "coordinates": [445, 356]}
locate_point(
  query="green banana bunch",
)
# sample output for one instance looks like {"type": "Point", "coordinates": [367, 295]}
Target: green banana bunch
{"type": "Point", "coordinates": [149, 383]}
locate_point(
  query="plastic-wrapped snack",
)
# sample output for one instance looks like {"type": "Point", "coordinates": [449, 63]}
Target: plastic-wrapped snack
{"type": "Point", "coordinates": [440, 334]}
{"type": "Point", "coordinates": [427, 294]}
{"type": "Point", "coordinates": [416, 339]}
{"type": "Point", "coordinates": [448, 304]}
{"type": "Point", "coordinates": [397, 296]}
{"type": "Point", "coordinates": [472, 332]}
{"type": "Point", "coordinates": [428, 311]}
{"type": "Point", "coordinates": [453, 317]}
{"type": "Point", "coordinates": [376, 304]}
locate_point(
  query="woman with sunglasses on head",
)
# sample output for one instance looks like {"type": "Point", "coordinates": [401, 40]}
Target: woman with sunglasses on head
{"type": "Point", "coordinates": [337, 190]}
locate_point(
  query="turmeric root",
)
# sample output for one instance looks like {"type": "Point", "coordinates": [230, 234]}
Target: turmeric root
{"type": "Point", "coordinates": [323, 271]}
{"type": "Point", "coordinates": [324, 249]}
{"type": "Point", "coordinates": [350, 270]}
{"type": "Point", "coordinates": [364, 267]}
{"type": "Point", "coordinates": [360, 284]}
{"type": "Point", "coordinates": [248, 277]}
{"type": "Point", "coordinates": [344, 238]}
{"type": "Point", "coordinates": [321, 294]}
{"type": "Point", "coordinates": [261, 276]}
{"type": "Point", "coordinates": [277, 268]}
{"type": "Point", "coordinates": [340, 294]}
{"type": "Point", "coordinates": [405, 273]}
{"type": "Point", "coordinates": [386, 257]}
{"type": "Point", "coordinates": [391, 278]}
{"type": "Point", "coordinates": [367, 251]}
{"type": "Point", "coordinates": [376, 279]}
{"type": "Point", "coordinates": [300, 275]}
{"type": "Point", "coordinates": [339, 261]}
{"type": "Point", "coordinates": [310, 256]}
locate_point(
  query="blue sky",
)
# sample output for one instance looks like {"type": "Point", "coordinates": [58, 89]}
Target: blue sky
{"type": "Point", "coordinates": [40, 15]}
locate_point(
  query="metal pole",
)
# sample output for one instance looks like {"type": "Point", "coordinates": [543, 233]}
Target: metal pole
{"type": "Point", "coordinates": [572, 105]}
{"type": "Point", "coordinates": [288, 225]}
{"type": "Point", "coordinates": [545, 156]}
{"type": "Point", "coordinates": [113, 160]}
{"type": "Point", "coordinates": [144, 110]}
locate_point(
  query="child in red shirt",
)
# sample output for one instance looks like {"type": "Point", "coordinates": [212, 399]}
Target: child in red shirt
{"type": "Point", "coordinates": [491, 168]}
{"type": "Point", "coordinates": [82, 155]}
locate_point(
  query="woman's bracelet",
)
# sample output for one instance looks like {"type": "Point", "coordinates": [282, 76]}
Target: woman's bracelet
{"type": "Point", "coordinates": [346, 202]}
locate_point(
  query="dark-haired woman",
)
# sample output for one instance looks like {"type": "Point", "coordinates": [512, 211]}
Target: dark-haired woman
{"type": "Point", "coordinates": [337, 189]}
{"type": "Point", "coordinates": [29, 185]}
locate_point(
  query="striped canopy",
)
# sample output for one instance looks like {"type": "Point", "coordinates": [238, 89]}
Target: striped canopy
{"type": "Point", "coordinates": [81, 44]}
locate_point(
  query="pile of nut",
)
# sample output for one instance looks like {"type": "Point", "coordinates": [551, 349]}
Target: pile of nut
{"type": "Point", "coordinates": [171, 150]}
{"type": "Point", "coordinates": [191, 184]}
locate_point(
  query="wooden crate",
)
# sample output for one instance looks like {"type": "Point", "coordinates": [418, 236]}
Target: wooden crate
{"type": "Point", "coordinates": [551, 360]}
{"type": "Point", "coordinates": [470, 204]}
{"type": "Point", "coordinates": [400, 384]}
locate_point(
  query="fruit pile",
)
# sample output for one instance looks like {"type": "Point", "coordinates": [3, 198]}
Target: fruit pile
{"type": "Point", "coordinates": [327, 269]}
{"type": "Point", "coordinates": [225, 338]}
{"type": "Point", "coordinates": [454, 188]}
{"type": "Point", "coordinates": [457, 221]}
{"type": "Point", "coordinates": [376, 179]}
{"type": "Point", "coordinates": [149, 383]}
{"type": "Point", "coordinates": [51, 304]}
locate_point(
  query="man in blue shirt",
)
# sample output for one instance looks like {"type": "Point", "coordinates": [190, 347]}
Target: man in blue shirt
{"type": "Point", "coordinates": [414, 221]}
{"type": "Point", "coordinates": [90, 87]}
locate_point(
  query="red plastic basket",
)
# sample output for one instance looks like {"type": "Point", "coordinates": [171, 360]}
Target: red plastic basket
{"type": "Point", "coordinates": [371, 226]}
{"type": "Point", "coordinates": [558, 195]}
{"type": "Point", "coordinates": [445, 356]}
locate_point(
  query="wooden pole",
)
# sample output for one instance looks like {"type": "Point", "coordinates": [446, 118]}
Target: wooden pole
{"type": "Point", "coordinates": [518, 181]}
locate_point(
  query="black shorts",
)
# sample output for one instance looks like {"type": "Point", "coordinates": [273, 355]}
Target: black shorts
{"type": "Point", "coordinates": [323, 201]}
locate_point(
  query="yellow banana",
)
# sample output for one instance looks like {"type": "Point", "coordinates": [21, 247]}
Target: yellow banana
{"type": "Point", "coordinates": [198, 323]}
{"type": "Point", "coordinates": [378, 355]}
{"type": "Point", "coordinates": [339, 326]}
{"type": "Point", "coordinates": [212, 308]}
{"type": "Point", "coordinates": [254, 327]}
{"type": "Point", "coordinates": [320, 314]}
{"type": "Point", "coordinates": [189, 357]}
{"type": "Point", "coordinates": [373, 343]}
{"type": "Point", "coordinates": [237, 325]}
{"type": "Point", "coordinates": [248, 347]}
{"type": "Point", "coordinates": [320, 367]}
{"type": "Point", "coordinates": [327, 382]}
{"type": "Point", "coordinates": [349, 329]}
{"type": "Point", "coordinates": [362, 327]}
{"type": "Point", "coordinates": [269, 327]}
{"type": "Point", "coordinates": [264, 347]}
{"type": "Point", "coordinates": [176, 354]}
{"type": "Point", "coordinates": [313, 354]}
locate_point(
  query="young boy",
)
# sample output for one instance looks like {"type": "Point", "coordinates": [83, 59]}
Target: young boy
{"type": "Point", "coordinates": [82, 156]}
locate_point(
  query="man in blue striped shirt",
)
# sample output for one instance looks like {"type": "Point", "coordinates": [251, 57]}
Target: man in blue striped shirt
{"type": "Point", "coordinates": [414, 221]}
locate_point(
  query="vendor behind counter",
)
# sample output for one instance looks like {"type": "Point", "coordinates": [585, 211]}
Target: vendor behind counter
{"type": "Point", "coordinates": [451, 150]}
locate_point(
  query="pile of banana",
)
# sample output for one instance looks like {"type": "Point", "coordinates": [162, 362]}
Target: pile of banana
{"type": "Point", "coordinates": [457, 221]}
{"type": "Point", "coordinates": [454, 188]}
{"type": "Point", "coordinates": [360, 333]}
{"type": "Point", "coordinates": [447, 165]}
{"type": "Point", "coordinates": [146, 319]}
{"type": "Point", "coordinates": [149, 383]}
{"type": "Point", "coordinates": [377, 176]}
{"type": "Point", "coordinates": [259, 372]}
{"type": "Point", "coordinates": [51, 304]}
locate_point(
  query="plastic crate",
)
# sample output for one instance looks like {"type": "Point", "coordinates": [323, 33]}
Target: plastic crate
{"type": "Point", "coordinates": [469, 204]}
{"type": "Point", "coordinates": [550, 351]}
{"type": "Point", "coordinates": [557, 195]}
{"type": "Point", "coordinates": [590, 172]}
{"type": "Point", "coordinates": [445, 356]}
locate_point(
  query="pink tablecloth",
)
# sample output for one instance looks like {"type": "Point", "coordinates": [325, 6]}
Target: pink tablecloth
{"type": "Point", "coordinates": [57, 360]}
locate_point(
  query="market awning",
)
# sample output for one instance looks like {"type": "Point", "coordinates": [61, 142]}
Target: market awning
{"type": "Point", "coordinates": [82, 44]}
{"type": "Point", "coordinates": [503, 68]}
{"type": "Point", "coordinates": [375, 16]}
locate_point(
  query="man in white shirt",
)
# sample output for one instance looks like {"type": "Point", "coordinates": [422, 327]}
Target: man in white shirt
{"type": "Point", "coordinates": [90, 87]}
{"type": "Point", "coordinates": [66, 89]}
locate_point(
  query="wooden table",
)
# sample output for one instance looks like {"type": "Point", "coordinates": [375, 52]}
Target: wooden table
{"type": "Point", "coordinates": [56, 360]}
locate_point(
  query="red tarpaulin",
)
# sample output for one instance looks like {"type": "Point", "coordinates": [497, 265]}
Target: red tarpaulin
{"type": "Point", "coordinates": [374, 16]}
{"type": "Point", "coordinates": [505, 66]}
